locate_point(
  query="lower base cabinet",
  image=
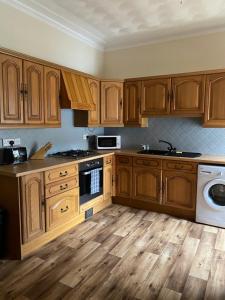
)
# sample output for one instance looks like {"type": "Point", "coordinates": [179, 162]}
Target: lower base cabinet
{"type": "Point", "coordinates": [32, 206]}
{"type": "Point", "coordinates": [166, 186]}
{"type": "Point", "coordinates": [179, 189]}
{"type": "Point", "coordinates": [147, 184]}
{"type": "Point", "coordinates": [62, 208]}
{"type": "Point", "coordinates": [123, 181]}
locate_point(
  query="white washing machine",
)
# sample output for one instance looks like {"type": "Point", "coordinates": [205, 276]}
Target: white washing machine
{"type": "Point", "coordinates": [210, 208]}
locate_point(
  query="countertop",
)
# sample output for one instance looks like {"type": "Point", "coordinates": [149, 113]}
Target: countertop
{"type": "Point", "coordinates": [32, 166]}
{"type": "Point", "coordinates": [48, 163]}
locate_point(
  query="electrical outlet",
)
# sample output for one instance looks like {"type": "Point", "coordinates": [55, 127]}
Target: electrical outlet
{"type": "Point", "coordinates": [6, 142]}
{"type": "Point", "coordinates": [85, 136]}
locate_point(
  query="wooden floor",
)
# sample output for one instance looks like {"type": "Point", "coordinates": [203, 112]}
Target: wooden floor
{"type": "Point", "coordinates": [123, 253]}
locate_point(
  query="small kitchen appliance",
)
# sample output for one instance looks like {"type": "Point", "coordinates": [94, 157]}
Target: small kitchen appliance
{"type": "Point", "coordinates": [104, 142]}
{"type": "Point", "coordinates": [12, 155]}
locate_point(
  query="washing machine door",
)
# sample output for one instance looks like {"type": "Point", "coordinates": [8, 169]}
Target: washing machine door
{"type": "Point", "coordinates": [214, 194]}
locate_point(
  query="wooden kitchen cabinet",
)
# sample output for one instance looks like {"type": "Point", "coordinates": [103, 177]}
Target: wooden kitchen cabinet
{"type": "Point", "coordinates": [33, 75]}
{"type": "Point", "coordinates": [62, 208]}
{"type": "Point", "coordinates": [11, 90]}
{"type": "Point", "coordinates": [32, 206]}
{"type": "Point", "coordinates": [51, 96]}
{"type": "Point", "coordinates": [179, 189]}
{"type": "Point", "coordinates": [132, 105]}
{"type": "Point", "coordinates": [187, 95]}
{"type": "Point", "coordinates": [147, 184]}
{"type": "Point", "coordinates": [94, 115]}
{"type": "Point", "coordinates": [108, 178]}
{"type": "Point", "coordinates": [215, 100]}
{"type": "Point", "coordinates": [155, 97]}
{"type": "Point", "coordinates": [112, 103]}
{"type": "Point", "coordinates": [124, 181]}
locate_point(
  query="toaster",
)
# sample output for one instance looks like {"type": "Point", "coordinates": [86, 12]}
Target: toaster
{"type": "Point", "coordinates": [13, 155]}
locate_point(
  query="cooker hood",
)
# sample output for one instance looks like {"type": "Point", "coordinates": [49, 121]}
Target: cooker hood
{"type": "Point", "coordinates": [75, 92]}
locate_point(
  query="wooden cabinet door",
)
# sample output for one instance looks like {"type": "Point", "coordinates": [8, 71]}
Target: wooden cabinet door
{"type": "Point", "coordinates": [123, 181]}
{"type": "Point", "coordinates": [62, 208]}
{"type": "Point", "coordinates": [51, 96]}
{"type": "Point", "coordinates": [179, 189]}
{"type": "Point", "coordinates": [147, 184]}
{"type": "Point", "coordinates": [215, 100]}
{"type": "Point", "coordinates": [33, 206]}
{"type": "Point", "coordinates": [187, 95]}
{"type": "Point", "coordinates": [131, 107]}
{"type": "Point", "coordinates": [33, 97]}
{"type": "Point", "coordinates": [111, 103]}
{"type": "Point", "coordinates": [155, 98]}
{"type": "Point", "coordinates": [94, 115]}
{"type": "Point", "coordinates": [107, 182]}
{"type": "Point", "coordinates": [11, 90]}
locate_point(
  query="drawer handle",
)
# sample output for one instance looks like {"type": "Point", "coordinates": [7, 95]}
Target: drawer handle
{"type": "Point", "coordinates": [64, 210]}
{"type": "Point", "coordinates": [63, 187]}
{"type": "Point", "coordinates": [61, 174]}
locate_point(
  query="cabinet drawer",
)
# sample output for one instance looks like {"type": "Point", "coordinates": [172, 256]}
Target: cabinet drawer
{"type": "Point", "coordinates": [60, 173]}
{"type": "Point", "coordinates": [60, 187]}
{"type": "Point", "coordinates": [123, 160]}
{"type": "Point", "coordinates": [154, 163]}
{"type": "Point", "coordinates": [180, 166]}
{"type": "Point", "coordinates": [108, 160]}
{"type": "Point", "coordinates": [62, 208]}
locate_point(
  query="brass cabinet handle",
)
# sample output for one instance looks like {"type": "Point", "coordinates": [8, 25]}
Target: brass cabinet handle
{"type": "Point", "coordinates": [65, 209]}
{"type": "Point", "coordinates": [63, 187]}
{"type": "Point", "coordinates": [61, 174]}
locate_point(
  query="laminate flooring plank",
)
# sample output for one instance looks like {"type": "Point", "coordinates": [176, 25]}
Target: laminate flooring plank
{"type": "Point", "coordinates": [194, 289]}
{"type": "Point", "coordinates": [216, 284]}
{"type": "Point", "coordinates": [178, 277]}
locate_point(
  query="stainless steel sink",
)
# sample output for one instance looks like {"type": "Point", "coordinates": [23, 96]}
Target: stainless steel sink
{"type": "Point", "coordinates": [170, 153]}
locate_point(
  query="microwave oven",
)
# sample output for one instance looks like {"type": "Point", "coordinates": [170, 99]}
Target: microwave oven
{"type": "Point", "coordinates": [105, 142]}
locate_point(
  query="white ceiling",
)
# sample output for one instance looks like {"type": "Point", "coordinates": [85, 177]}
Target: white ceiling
{"type": "Point", "coordinates": [114, 24]}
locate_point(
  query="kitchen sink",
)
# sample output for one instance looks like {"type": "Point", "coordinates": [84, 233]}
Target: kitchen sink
{"type": "Point", "coordinates": [170, 153]}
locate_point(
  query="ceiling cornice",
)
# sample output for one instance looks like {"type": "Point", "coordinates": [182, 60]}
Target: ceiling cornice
{"type": "Point", "coordinates": [93, 40]}
{"type": "Point", "coordinates": [56, 24]}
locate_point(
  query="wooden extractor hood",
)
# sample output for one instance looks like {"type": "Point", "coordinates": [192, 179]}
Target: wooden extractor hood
{"type": "Point", "coordinates": [75, 92]}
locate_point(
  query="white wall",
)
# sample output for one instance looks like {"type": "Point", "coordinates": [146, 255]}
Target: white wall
{"type": "Point", "coordinates": [184, 55]}
{"type": "Point", "coordinates": [28, 35]}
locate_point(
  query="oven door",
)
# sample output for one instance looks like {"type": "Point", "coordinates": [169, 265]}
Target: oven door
{"type": "Point", "coordinates": [91, 184]}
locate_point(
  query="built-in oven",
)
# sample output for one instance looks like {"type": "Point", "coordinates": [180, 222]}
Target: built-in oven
{"type": "Point", "coordinates": [90, 179]}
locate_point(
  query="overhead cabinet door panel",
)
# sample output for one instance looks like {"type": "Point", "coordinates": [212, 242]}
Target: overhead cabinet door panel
{"type": "Point", "coordinates": [215, 100]}
{"type": "Point", "coordinates": [33, 93]}
{"type": "Point", "coordinates": [155, 97]}
{"type": "Point", "coordinates": [11, 94]}
{"type": "Point", "coordinates": [187, 95]}
{"type": "Point", "coordinates": [51, 89]}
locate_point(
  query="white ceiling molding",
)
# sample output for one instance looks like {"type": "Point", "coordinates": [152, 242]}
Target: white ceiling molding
{"type": "Point", "coordinates": [54, 22]}
{"type": "Point", "coordinates": [121, 24]}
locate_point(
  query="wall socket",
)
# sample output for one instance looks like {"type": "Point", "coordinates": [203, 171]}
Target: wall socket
{"type": "Point", "coordinates": [85, 136]}
{"type": "Point", "coordinates": [6, 142]}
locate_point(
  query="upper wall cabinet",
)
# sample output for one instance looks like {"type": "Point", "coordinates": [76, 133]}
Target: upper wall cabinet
{"type": "Point", "coordinates": [155, 97]}
{"type": "Point", "coordinates": [187, 95]}
{"type": "Point", "coordinates": [132, 105]}
{"type": "Point", "coordinates": [51, 96]}
{"type": "Point", "coordinates": [33, 75]}
{"type": "Point", "coordinates": [29, 93]}
{"type": "Point", "coordinates": [183, 96]}
{"type": "Point", "coordinates": [215, 100]}
{"type": "Point", "coordinates": [112, 103]}
{"type": "Point", "coordinates": [11, 90]}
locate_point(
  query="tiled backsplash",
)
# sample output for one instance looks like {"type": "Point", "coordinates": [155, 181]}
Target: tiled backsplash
{"type": "Point", "coordinates": [185, 134]}
{"type": "Point", "coordinates": [64, 138]}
